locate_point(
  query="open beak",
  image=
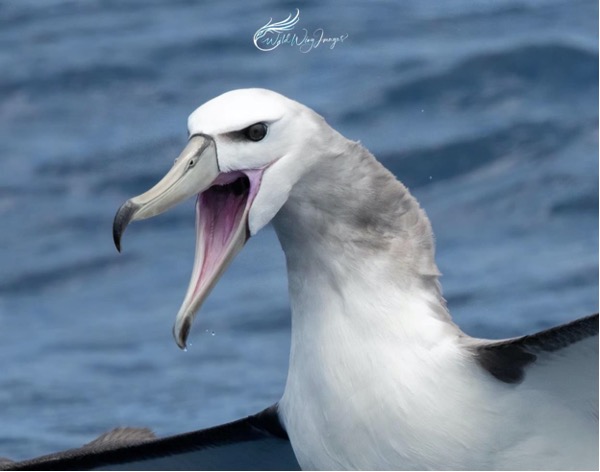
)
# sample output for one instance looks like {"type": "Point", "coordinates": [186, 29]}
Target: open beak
{"type": "Point", "coordinates": [224, 200]}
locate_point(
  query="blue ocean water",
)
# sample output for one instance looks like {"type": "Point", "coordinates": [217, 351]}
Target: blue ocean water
{"type": "Point", "coordinates": [487, 110]}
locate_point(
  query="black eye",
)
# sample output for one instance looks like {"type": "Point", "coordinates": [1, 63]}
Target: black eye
{"type": "Point", "coordinates": [256, 132]}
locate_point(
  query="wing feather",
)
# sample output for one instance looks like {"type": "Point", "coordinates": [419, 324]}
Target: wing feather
{"type": "Point", "coordinates": [257, 442]}
{"type": "Point", "coordinates": [562, 360]}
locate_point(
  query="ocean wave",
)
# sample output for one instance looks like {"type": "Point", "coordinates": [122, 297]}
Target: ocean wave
{"type": "Point", "coordinates": [98, 76]}
{"type": "Point", "coordinates": [493, 76]}
{"type": "Point", "coordinates": [421, 167]}
{"type": "Point", "coordinates": [38, 281]}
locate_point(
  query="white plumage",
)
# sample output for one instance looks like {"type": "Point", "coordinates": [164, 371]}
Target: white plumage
{"type": "Point", "coordinates": [379, 377]}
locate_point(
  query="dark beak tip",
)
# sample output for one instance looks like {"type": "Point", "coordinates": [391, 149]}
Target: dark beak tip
{"type": "Point", "coordinates": [122, 218]}
{"type": "Point", "coordinates": [182, 335]}
{"type": "Point", "coordinates": [117, 240]}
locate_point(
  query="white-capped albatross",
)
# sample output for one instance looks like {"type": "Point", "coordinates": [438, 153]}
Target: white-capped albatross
{"type": "Point", "coordinates": [379, 375]}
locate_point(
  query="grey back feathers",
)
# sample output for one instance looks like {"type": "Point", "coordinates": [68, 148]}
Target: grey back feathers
{"type": "Point", "coordinates": [349, 202]}
{"type": "Point", "coordinates": [372, 209]}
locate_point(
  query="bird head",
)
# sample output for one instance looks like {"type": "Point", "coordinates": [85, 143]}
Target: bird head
{"type": "Point", "coordinates": [247, 149]}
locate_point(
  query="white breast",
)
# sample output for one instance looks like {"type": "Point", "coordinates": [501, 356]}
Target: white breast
{"type": "Point", "coordinates": [361, 398]}
{"type": "Point", "coordinates": [377, 381]}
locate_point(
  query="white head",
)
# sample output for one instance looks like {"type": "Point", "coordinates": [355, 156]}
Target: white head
{"type": "Point", "coordinates": [247, 149]}
{"type": "Point", "coordinates": [283, 154]}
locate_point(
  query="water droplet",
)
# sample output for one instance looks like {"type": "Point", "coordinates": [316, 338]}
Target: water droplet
{"type": "Point", "coordinates": [212, 333]}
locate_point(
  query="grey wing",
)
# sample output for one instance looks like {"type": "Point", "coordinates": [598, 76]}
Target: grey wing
{"type": "Point", "coordinates": [563, 360]}
{"type": "Point", "coordinates": [257, 442]}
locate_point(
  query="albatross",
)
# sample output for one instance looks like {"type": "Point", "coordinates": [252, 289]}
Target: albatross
{"type": "Point", "coordinates": [379, 375]}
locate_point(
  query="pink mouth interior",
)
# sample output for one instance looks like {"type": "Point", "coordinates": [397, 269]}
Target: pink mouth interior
{"type": "Point", "coordinates": [219, 213]}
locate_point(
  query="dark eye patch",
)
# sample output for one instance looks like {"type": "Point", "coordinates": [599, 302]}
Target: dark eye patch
{"type": "Point", "coordinates": [255, 132]}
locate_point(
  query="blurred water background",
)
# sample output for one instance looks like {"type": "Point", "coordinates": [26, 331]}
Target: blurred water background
{"type": "Point", "coordinates": [487, 110]}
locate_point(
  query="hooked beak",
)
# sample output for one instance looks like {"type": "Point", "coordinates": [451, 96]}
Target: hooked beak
{"type": "Point", "coordinates": [222, 209]}
{"type": "Point", "coordinates": [194, 171]}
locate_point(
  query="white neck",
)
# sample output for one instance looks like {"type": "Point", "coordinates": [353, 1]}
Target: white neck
{"type": "Point", "coordinates": [365, 303]}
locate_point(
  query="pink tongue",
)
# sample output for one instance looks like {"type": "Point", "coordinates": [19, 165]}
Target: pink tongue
{"type": "Point", "coordinates": [218, 214]}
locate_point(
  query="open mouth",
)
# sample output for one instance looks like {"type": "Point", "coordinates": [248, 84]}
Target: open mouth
{"type": "Point", "coordinates": [221, 231]}
{"type": "Point", "coordinates": [219, 213]}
